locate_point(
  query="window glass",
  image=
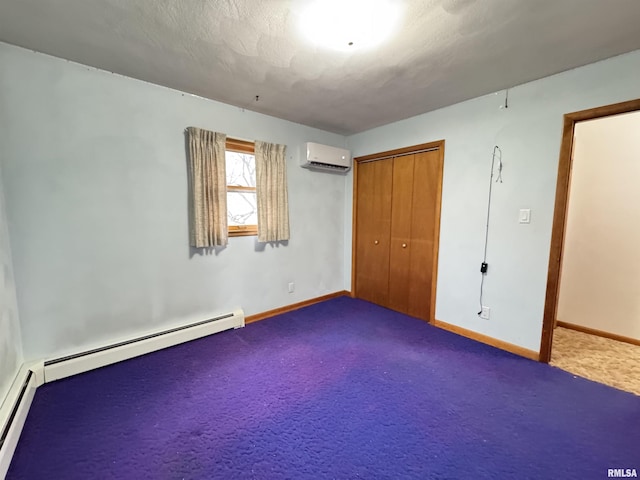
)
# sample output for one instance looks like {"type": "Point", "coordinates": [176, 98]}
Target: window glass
{"type": "Point", "coordinates": [241, 169]}
{"type": "Point", "coordinates": [242, 210]}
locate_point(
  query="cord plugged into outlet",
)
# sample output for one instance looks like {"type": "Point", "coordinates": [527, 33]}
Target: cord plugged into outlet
{"type": "Point", "coordinates": [484, 266]}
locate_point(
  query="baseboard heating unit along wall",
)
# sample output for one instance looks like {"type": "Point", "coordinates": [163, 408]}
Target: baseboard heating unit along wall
{"type": "Point", "coordinates": [15, 407]}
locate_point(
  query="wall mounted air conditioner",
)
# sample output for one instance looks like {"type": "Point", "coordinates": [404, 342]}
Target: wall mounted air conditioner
{"type": "Point", "coordinates": [324, 157]}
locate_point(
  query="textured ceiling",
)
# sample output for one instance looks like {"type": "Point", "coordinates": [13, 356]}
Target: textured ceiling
{"type": "Point", "coordinates": [443, 52]}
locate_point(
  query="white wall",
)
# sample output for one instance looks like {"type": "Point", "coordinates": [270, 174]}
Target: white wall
{"type": "Point", "coordinates": [95, 185]}
{"type": "Point", "coordinates": [529, 133]}
{"type": "Point", "coordinates": [96, 191]}
{"type": "Point", "coordinates": [10, 341]}
{"type": "Point", "coordinates": [600, 280]}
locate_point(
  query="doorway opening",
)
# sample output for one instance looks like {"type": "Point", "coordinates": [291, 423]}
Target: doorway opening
{"type": "Point", "coordinates": [594, 267]}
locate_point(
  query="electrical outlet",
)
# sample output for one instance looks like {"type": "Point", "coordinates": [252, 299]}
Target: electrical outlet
{"type": "Point", "coordinates": [292, 287]}
{"type": "Point", "coordinates": [485, 312]}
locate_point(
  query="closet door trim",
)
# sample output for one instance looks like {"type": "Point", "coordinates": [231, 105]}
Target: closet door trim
{"type": "Point", "coordinates": [376, 157]}
{"type": "Point", "coordinates": [424, 147]}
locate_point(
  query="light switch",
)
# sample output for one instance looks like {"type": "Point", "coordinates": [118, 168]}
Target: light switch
{"type": "Point", "coordinates": [525, 215]}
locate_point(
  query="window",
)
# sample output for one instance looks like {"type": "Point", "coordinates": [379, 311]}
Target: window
{"type": "Point", "coordinates": [242, 210]}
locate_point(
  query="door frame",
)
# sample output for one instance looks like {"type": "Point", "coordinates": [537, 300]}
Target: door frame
{"type": "Point", "coordinates": [560, 213]}
{"type": "Point", "coordinates": [437, 145]}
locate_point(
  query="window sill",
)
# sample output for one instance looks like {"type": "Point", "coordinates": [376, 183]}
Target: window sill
{"type": "Point", "coordinates": [243, 232]}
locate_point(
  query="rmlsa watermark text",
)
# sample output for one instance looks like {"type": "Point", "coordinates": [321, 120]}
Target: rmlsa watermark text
{"type": "Point", "coordinates": [622, 473]}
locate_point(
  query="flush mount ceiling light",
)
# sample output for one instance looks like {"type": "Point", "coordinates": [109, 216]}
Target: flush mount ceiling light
{"type": "Point", "coordinates": [347, 25]}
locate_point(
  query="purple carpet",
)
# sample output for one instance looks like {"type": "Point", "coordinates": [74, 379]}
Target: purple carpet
{"type": "Point", "coordinates": [342, 390]}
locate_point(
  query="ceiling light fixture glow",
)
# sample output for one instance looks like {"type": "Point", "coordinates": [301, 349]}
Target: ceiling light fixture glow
{"type": "Point", "coordinates": [347, 25]}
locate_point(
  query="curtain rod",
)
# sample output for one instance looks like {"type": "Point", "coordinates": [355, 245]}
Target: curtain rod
{"type": "Point", "coordinates": [233, 137]}
{"type": "Point", "coordinates": [432, 149]}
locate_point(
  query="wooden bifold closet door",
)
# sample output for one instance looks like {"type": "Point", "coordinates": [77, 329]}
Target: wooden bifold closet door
{"type": "Point", "coordinates": [397, 217]}
{"type": "Point", "coordinates": [373, 223]}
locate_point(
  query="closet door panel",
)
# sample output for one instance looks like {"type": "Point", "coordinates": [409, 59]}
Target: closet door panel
{"type": "Point", "coordinates": [401, 244]}
{"type": "Point", "coordinates": [373, 224]}
{"type": "Point", "coordinates": [423, 231]}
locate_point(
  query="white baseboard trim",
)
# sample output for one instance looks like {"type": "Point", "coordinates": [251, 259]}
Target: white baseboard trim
{"type": "Point", "coordinates": [14, 413]}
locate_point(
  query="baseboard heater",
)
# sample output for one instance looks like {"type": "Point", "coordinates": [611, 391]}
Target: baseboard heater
{"type": "Point", "coordinates": [68, 365]}
{"type": "Point", "coordinates": [15, 407]}
{"type": "Point", "coordinates": [14, 413]}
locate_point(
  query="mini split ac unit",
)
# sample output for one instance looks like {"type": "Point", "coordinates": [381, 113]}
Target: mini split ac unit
{"type": "Point", "coordinates": [324, 157]}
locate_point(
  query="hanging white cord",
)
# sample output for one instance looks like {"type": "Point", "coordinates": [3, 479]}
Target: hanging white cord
{"type": "Point", "coordinates": [497, 153]}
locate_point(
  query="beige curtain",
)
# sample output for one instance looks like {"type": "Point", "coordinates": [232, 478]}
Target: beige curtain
{"type": "Point", "coordinates": [271, 191]}
{"type": "Point", "coordinates": [208, 196]}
